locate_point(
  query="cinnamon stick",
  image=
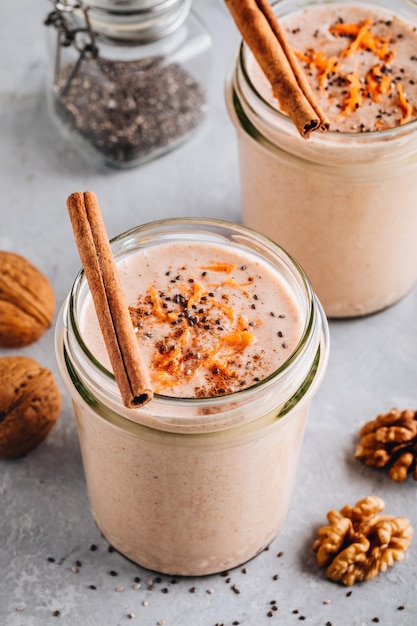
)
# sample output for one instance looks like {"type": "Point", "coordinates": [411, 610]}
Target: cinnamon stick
{"type": "Point", "coordinates": [264, 36]}
{"type": "Point", "coordinates": [109, 300]}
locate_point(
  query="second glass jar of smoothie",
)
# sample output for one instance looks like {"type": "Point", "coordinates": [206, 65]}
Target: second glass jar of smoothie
{"type": "Point", "coordinates": [200, 480]}
{"type": "Point", "coordinates": [343, 201]}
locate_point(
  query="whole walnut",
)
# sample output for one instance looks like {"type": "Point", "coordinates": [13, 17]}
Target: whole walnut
{"type": "Point", "coordinates": [27, 301]}
{"type": "Point", "coordinates": [30, 402]}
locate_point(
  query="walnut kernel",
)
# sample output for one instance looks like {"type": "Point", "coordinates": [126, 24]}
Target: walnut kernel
{"type": "Point", "coordinates": [390, 442]}
{"type": "Point", "coordinates": [30, 402]}
{"type": "Point", "coordinates": [358, 543]}
{"type": "Point", "coordinates": [27, 301]}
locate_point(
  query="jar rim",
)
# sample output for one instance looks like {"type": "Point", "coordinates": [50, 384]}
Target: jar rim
{"type": "Point", "coordinates": [193, 223]}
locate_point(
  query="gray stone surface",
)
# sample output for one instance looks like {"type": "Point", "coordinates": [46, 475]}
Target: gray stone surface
{"type": "Point", "coordinates": [49, 574]}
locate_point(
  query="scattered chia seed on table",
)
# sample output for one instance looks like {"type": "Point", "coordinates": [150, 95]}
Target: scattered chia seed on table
{"type": "Point", "coordinates": [127, 110]}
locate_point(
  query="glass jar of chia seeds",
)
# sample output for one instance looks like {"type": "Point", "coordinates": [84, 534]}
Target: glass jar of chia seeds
{"type": "Point", "coordinates": [129, 80]}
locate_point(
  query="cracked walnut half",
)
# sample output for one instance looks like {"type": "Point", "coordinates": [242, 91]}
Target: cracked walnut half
{"type": "Point", "coordinates": [390, 442]}
{"type": "Point", "coordinates": [359, 543]}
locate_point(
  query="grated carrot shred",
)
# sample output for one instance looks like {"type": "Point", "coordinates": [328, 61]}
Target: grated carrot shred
{"type": "Point", "coordinates": [171, 358]}
{"type": "Point", "coordinates": [354, 98]}
{"type": "Point", "coordinates": [363, 38]}
{"type": "Point", "coordinates": [341, 29]}
{"type": "Point", "coordinates": [406, 107]}
{"type": "Point", "coordinates": [218, 266]}
{"type": "Point", "coordinates": [240, 339]}
{"type": "Point", "coordinates": [362, 32]}
{"type": "Point", "coordinates": [159, 312]}
{"type": "Point", "coordinates": [227, 310]}
{"type": "Point", "coordinates": [197, 291]}
{"type": "Point", "coordinates": [325, 66]}
{"type": "Point", "coordinates": [233, 283]}
{"type": "Point", "coordinates": [377, 83]}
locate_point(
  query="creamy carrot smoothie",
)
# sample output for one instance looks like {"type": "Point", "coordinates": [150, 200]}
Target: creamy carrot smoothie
{"type": "Point", "coordinates": [342, 202]}
{"type": "Point", "coordinates": [200, 479]}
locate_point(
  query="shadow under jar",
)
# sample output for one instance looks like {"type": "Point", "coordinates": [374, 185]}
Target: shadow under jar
{"type": "Point", "coordinates": [343, 202]}
{"type": "Point", "coordinates": [195, 485]}
{"type": "Point", "coordinates": [129, 79]}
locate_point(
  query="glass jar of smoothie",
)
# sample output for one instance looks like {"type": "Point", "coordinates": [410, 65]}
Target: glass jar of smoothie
{"type": "Point", "coordinates": [343, 201]}
{"type": "Point", "coordinates": [197, 483]}
{"type": "Point", "coordinates": [129, 80]}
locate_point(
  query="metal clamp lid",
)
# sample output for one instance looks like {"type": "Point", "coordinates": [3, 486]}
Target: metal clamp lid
{"type": "Point", "coordinates": [72, 22]}
{"type": "Point", "coordinates": [124, 22]}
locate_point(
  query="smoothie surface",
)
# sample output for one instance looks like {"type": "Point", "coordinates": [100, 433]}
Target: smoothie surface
{"type": "Point", "coordinates": [210, 319]}
{"type": "Point", "coordinates": [360, 60]}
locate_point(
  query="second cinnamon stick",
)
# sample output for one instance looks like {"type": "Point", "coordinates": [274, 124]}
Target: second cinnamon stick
{"type": "Point", "coordinates": [260, 30]}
